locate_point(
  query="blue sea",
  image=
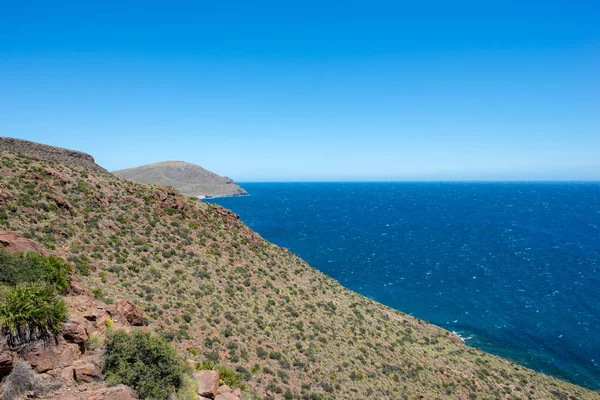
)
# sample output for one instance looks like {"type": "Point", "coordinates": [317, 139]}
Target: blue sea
{"type": "Point", "coordinates": [513, 268]}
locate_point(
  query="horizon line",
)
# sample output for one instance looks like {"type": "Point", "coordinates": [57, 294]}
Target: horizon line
{"type": "Point", "coordinates": [429, 181]}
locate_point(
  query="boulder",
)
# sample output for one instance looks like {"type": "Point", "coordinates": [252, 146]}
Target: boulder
{"type": "Point", "coordinates": [43, 356]}
{"type": "Point", "coordinates": [227, 396]}
{"type": "Point", "coordinates": [66, 374]}
{"type": "Point", "coordinates": [74, 331]}
{"type": "Point", "coordinates": [86, 373]}
{"type": "Point", "coordinates": [208, 383]}
{"type": "Point", "coordinates": [132, 312]}
{"type": "Point", "coordinates": [13, 242]}
{"type": "Point", "coordinates": [223, 389]}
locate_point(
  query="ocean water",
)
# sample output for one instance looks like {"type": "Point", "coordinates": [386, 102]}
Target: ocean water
{"type": "Point", "coordinates": [513, 268]}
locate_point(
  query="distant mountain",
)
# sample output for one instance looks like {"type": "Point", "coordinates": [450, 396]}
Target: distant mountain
{"type": "Point", "coordinates": [189, 179]}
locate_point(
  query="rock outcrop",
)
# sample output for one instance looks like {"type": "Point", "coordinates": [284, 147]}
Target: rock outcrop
{"type": "Point", "coordinates": [208, 383]}
{"type": "Point", "coordinates": [209, 389]}
{"type": "Point", "coordinates": [64, 363]}
{"type": "Point", "coordinates": [224, 392]}
{"type": "Point", "coordinates": [132, 313]}
{"type": "Point", "coordinates": [13, 242]}
{"type": "Point", "coordinates": [119, 392]}
{"type": "Point", "coordinates": [44, 356]}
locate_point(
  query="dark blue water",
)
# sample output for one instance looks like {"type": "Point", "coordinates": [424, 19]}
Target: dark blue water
{"type": "Point", "coordinates": [514, 268]}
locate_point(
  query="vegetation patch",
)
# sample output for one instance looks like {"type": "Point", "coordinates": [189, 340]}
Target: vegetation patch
{"type": "Point", "coordinates": [146, 362]}
{"type": "Point", "coordinates": [30, 307]}
{"type": "Point", "coordinates": [30, 312]}
{"type": "Point", "coordinates": [17, 268]}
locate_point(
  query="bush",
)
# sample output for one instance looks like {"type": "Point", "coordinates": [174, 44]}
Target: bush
{"type": "Point", "coordinates": [188, 388]}
{"type": "Point", "coordinates": [17, 268]}
{"type": "Point", "coordinates": [21, 380]}
{"type": "Point", "coordinates": [29, 312]}
{"type": "Point", "coordinates": [228, 376]}
{"type": "Point", "coordinates": [146, 362]}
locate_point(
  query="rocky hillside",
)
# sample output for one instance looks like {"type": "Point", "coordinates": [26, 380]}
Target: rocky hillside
{"type": "Point", "coordinates": [189, 179]}
{"type": "Point", "coordinates": [224, 296]}
{"type": "Point", "coordinates": [74, 364]}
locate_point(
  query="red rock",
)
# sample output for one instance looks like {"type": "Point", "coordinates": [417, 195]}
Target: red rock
{"type": "Point", "coordinates": [61, 203]}
{"type": "Point", "coordinates": [74, 331]}
{"type": "Point", "coordinates": [94, 313]}
{"type": "Point", "coordinates": [175, 203]}
{"type": "Point", "coordinates": [119, 392]}
{"type": "Point", "coordinates": [13, 242]}
{"type": "Point", "coordinates": [227, 396]}
{"type": "Point", "coordinates": [161, 193]}
{"type": "Point", "coordinates": [133, 313]}
{"type": "Point", "coordinates": [81, 304]}
{"type": "Point", "coordinates": [44, 356]}
{"type": "Point", "coordinates": [87, 373]}
{"type": "Point", "coordinates": [65, 374]}
{"type": "Point", "coordinates": [208, 383]}
{"type": "Point", "coordinates": [76, 287]}
{"type": "Point", "coordinates": [237, 392]}
{"type": "Point", "coordinates": [55, 174]}
{"type": "Point", "coordinates": [223, 389]}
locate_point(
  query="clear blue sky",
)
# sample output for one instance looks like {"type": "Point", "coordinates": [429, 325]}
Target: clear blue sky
{"type": "Point", "coordinates": [311, 90]}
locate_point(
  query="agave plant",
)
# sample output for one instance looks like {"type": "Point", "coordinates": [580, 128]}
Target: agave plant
{"type": "Point", "coordinates": [29, 312]}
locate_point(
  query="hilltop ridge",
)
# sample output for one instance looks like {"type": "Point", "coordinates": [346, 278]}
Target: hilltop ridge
{"type": "Point", "coordinates": [190, 179]}
{"type": "Point", "coordinates": [68, 157]}
{"type": "Point", "coordinates": [223, 295]}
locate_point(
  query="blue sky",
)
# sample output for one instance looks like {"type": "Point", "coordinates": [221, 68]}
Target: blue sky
{"type": "Point", "coordinates": [311, 90]}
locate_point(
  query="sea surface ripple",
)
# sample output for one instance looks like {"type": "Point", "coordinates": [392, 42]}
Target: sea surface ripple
{"type": "Point", "coordinates": [514, 268]}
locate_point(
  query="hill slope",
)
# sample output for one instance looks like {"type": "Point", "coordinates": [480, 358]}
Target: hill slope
{"type": "Point", "coordinates": [189, 179]}
{"type": "Point", "coordinates": [221, 293]}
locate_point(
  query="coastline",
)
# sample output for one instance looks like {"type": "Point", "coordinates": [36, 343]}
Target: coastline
{"type": "Point", "coordinates": [221, 196]}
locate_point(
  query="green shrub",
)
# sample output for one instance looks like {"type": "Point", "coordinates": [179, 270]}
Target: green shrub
{"type": "Point", "coordinates": [228, 376]}
{"type": "Point", "coordinates": [29, 312]}
{"type": "Point", "coordinates": [146, 362]}
{"type": "Point", "coordinates": [17, 268]}
{"type": "Point", "coordinates": [205, 365]}
{"type": "Point", "coordinates": [188, 388]}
